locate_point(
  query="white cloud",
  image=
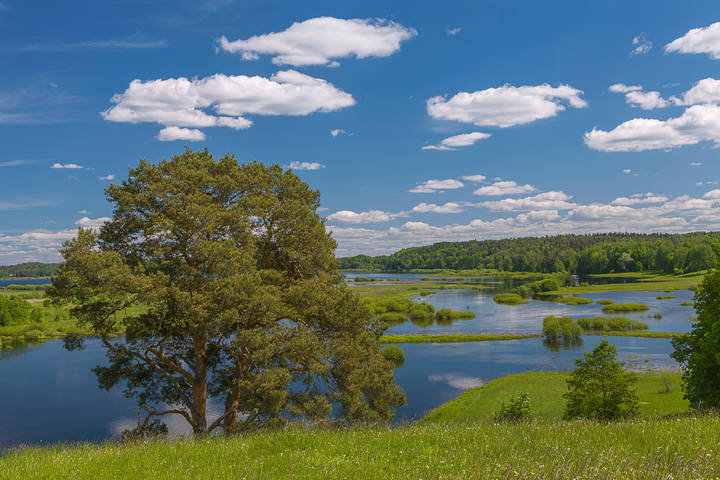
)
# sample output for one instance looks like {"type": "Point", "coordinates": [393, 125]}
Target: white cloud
{"type": "Point", "coordinates": [640, 198]}
{"type": "Point", "coordinates": [504, 188]}
{"type": "Point", "coordinates": [168, 134]}
{"type": "Point", "coordinates": [338, 131]}
{"type": "Point", "coordinates": [553, 200]}
{"type": "Point", "coordinates": [436, 186]}
{"type": "Point", "coordinates": [709, 182]}
{"type": "Point", "coordinates": [697, 123]}
{"type": "Point", "coordinates": [70, 166]}
{"type": "Point", "coordinates": [319, 40]}
{"type": "Point", "coordinates": [634, 95]}
{"type": "Point", "coordinates": [627, 170]}
{"type": "Point", "coordinates": [34, 246]}
{"type": "Point", "coordinates": [505, 106]}
{"type": "Point", "coordinates": [463, 140]}
{"type": "Point", "coordinates": [371, 216]}
{"type": "Point", "coordinates": [641, 45]}
{"type": "Point", "coordinates": [698, 40]}
{"type": "Point", "coordinates": [222, 101]}
{"type": "Point", "coordinates": [474, 178]}
{"type": "Point", "coordinates": [449, 207]}
{"type": "Point", "coordinates": [713, 194]}
{"type": "Point", "coordinates": [93, 223]}
{"type": "Point", "coordinates": [14, 163]}
{"type": "Point", "coordinates": [305, 165]}
{"type": "Point", "coordinates": [695, 164]}
{"type": "Point", "coordinates": [453, 31]}
{"type": "Point", "coordinates": [706, 90]}
{"type": "Point", "coordinates": [107, 177]}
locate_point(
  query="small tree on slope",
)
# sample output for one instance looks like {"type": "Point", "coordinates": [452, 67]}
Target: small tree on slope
{"type": "Point", "coordinates": [599, 388]}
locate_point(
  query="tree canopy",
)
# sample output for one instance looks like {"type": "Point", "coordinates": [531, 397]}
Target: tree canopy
{"type": "Point", "coordinates": [698, 350]}
{"type": "Point", "coordinates": [583, 254]}
{"type": "Point", "coordinates": [244, 305]}
{"type": "Point", "coordinates": [599, 388]}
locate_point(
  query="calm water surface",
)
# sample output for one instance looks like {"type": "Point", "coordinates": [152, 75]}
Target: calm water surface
{"type": "Point", "coordinates": [26, 281]}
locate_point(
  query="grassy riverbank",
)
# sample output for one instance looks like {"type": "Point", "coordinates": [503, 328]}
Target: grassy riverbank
{"type": "Point", "coordinates": [642, 281]}
{"type": "Point", "coordinates": [683, 447]}
{"type": "Point", "coordinates": [395, 339]}
{"type": "Point", "coordinates": [546, 390]}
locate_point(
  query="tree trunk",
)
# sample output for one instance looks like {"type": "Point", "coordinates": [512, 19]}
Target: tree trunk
{"type": "Point", "coordinates": [199, 386]}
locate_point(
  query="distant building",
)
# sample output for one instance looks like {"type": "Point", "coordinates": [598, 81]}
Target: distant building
{"type": "Point", "coordinates": [575, 280]}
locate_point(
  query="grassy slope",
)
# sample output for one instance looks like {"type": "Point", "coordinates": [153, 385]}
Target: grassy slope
{"type": "Point", "coordinates": [546, 390]}
{"type": "Point", "coordinates": [685, 447]}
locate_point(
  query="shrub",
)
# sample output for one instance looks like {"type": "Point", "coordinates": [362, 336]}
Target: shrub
{"type": "Point", "coordinates": [686, 304]}
{"type": "Point", "coordinates": [33, 335]}
{"type": "Point", "coordinates": [509, 299]}
{"type": "Point", "coordinates": [604, 302]}
{"type": "Point", "coordinates": [393, 318]}
{"type": "Point", "coordinates": [624, 307]}
{"type": "Point", "coordinates": [611, 324]}
{"type": "Point", "coordinates": [575, 300]}
{"type": "Point", "coordinates": [664, 297]}
{"type": "Point", "coordinates": [599, 388]}
{"type": "Point", "coordinates": [561, 329]}
{"type": "Point", "coordinates": [394, 355]}
{"type": "Point", "coordinates": [446, 316]}
{"type": "Point", "coordinates": [516, 409]}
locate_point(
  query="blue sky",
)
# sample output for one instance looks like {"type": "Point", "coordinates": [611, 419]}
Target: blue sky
{"type": "Point", "coordinates": [536, 117]}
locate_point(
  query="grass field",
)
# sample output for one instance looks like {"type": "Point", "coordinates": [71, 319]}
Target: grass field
{"type": "Point", "coordinates": [677, 448]}
{"type": "Point", "coordinates": [394, 339]}
{"type": "Point", "coordinates": [546, 390]}
{"type": "Point", "coordinates": [645, 281]}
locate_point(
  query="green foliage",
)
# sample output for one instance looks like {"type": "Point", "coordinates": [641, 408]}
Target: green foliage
{"type": "Point", "coordinates": [14, 310]}
{"type": "Point", "coordinates": [243, 302]}
{"type": "Point", "coordinates": [664, 297]}
{"type": "Point", "coordinates": [446, 316]}
{"type": "Point", "coordinates": [509, 299]}
{"type": "Point", "coordinates": [599, 388]}
{"type": "Point", "coordinates": [33, 335]}
{"type": "Point", "coordinates": [365, 280]}
{"type": "Point", "coordinates": [574, 300]}
{"type": "Point", "coordinates": [698, 351]}
{"type": "Point", "coordinates": [604, 302]}
{"type": "Point", "coordinates": [686, 304]}
{"type": "Point", "coordinates": [393, 339]}
{"type": "Point", "coordinates": [624, 308]}
{"type": "Point", "coordinates": [394, 354]}
{"type": "Point", "coordinates": [611, 324]}
{"type": "Point", "coordinates": [392, 318]}
{"type": "Point", "coordinates": [31, 269]}
{"type": "Point", "coordinates": [582, 254]}
{"type": "Point", "coordinates": [561, 330]}
{"type": "Point", "coordinates": [516, 409]}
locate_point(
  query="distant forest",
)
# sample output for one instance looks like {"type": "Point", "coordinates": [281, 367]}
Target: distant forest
{"type": "Point", "coordinates": [32, 269]}
{"type": "Point", "coordinates": [582, 254]}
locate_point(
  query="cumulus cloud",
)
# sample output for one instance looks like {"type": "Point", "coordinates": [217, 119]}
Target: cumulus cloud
{"type": "Point", "coordinates": [318, 41]}
{"type": "Point", "coordinates": [168, 134]}
{"type": "Point", "coordinates": [305, 165]}
{"type": "Point", "coordinates": [371, 216]}
{"type": "Point", "coordinates": [695, 164]}
{"type": "Point", "coordinates": [449, 207]}
{"type": "Point", "coordinates": [474, 178]}
{"type": "Point", "coordinates": [436, 186]}
{"type": "Point", "coordinates": [698, 40]}
{"type": "Point", "coordinates": [504, 188]}
{"type": "Point", "coordinates": [697, 123]}
{"type": "Point", "coordinates": [640, 198]}
{"type": "Point", "coordinates": [93, 223]}
{"type": "Point", "coordinates": [463, 140]}
{"type": "Point", "coordinates": [634, 95]}
{"type": "Point", "coordinates": [505, 106]}
{"type": "Point", "coordinates": [706, 90]}
{"type": "Point", "coordinates": [713, 194]}
{"type": "Point", "coordinates": [338, 131]}
{"type": "Point", "coordinates": [553, 200]}
{"type": "Point", "coordinates": [641, 45]}
{"type": "Point", "coordinates": [70, 166]}
{"type": "Point", "coordinates": [222, 101]}
{"type": "Point", "coordinates": [107, 177]}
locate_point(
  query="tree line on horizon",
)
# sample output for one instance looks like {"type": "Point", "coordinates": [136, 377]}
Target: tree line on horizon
{"type": "Point", "coordinates": [29, 269]}
{"type": "Point", "coordinates": [581, 254]}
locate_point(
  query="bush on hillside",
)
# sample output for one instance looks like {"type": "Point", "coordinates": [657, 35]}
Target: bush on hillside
{"type": "Point", "coordinates": [599, 388]}
{"type": "Point", "coordinates": [516, 409]}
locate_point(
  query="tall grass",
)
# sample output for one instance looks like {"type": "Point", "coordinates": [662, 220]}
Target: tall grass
{"type": "Point", "coordinates": [678, 448]}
